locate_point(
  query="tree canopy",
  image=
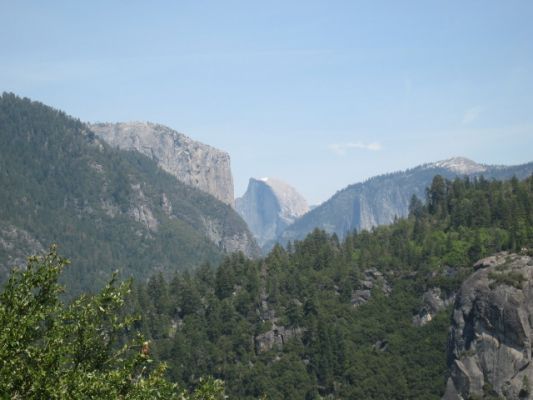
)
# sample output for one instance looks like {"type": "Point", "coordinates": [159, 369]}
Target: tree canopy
{"type": "Point", "coordinates": [292, 325]}
{"type": "Point", "coordinates": [53, 350]}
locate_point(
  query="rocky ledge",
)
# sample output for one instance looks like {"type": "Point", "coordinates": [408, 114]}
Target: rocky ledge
{"type": "Point", "coordinates": [491, 334]}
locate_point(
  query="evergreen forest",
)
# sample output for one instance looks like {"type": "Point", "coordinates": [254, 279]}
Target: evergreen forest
{"type": "Point", "coordinates": [294, 326]}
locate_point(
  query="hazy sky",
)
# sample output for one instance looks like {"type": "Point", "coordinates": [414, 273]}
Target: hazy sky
{"type": "Point", "coordinates": [318, 93]}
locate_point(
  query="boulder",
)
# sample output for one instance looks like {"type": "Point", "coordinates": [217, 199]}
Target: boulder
{"type": "Point", "coordinates": [275, 338]}
{"type": "Point", "coordinates": [489, 349]}
{"type": "Point", "coordinates": [433, 301]}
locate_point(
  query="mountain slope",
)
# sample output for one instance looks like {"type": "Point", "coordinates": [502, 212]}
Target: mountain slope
{"type": "Point", "coordinates": [338, 319]}
{"type": "Point", "coordinates": [268, 206]}
{"type": "Point", "coordinates": [105, 207]}
{"type": "Point", "coordinates": [191, 162]}
{"type": "Point", "coordinates": [380, 199]}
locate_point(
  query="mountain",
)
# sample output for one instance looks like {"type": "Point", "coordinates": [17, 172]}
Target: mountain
{"type": "Point", "coordinates": [268, 206]}
{"type": "Point", "coordinates": [106, 208]}
{"type": "Point", "coordinates": [381, 199]}
{"type": "Point", "coordinates": [191, 162]}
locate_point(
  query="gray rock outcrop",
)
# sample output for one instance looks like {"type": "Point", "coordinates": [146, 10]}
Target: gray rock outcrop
{"type": "Point", "coordinates": [275, 338]}
{"type": "Point", "coordinates": [433, 301]}
{"type": "Point", "coordinates": [16, 244]}
{"type": "Point", "coordinates": [490, 339]}
{"type": "Point", "coordinates": [372, 278]}
{"type": "Point", "coordinates": [191, 162]}
{"type": "Point", "coordinates": [268, 207]}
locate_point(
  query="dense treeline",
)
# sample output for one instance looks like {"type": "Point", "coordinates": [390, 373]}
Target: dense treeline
{"type": "Point", "coordinates": [291, 325]}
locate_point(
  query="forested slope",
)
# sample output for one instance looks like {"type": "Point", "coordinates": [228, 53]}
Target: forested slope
{"type": "Point", "coordinates": [339, 319]}
{"type": "Point", "coordinates": [107, 209]}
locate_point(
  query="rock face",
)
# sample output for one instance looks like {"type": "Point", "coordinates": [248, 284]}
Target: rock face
{"type": "Point", "coordinates": [191, 162]}
{"type": "Point", "coordinates": [433, 301]}
{"type": "Point", "coordinates": [268, 207]}
{"type": "Point", "coordinates": [461, 166]}
{"type": "Point", "coordinates": [275, 338]}
{"type": "Point", "coordinates": [278, 335]}
{"type": "Point", "coordinates": [490, 339]}
{"type": "Point", "coordinates": [380, 199]}
{"type": "Point", "coordinates": [371, 278]}
{"type": "Point", "coordinates": [17, 244]}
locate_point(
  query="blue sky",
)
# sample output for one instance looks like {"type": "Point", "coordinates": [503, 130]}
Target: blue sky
{"type": "Point", "coordinates": [321, 94]}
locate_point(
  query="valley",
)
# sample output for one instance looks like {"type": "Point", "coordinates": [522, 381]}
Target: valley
{"type": "Point", "coordinates": [385, 291]}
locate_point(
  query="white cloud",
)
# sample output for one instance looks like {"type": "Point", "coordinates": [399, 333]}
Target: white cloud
{"type": "Point", "coordinates": [472, 114]}
{"type": "Point", "coordinates": [342, 148]}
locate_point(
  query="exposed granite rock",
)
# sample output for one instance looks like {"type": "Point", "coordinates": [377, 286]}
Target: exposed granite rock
{"type": "Point", "coordinates": [381, 345]}
{"type": "Point", "coordinates": [461, 166]}
{"type": "Point", "coordinates": [360, 296]}
{"type": "Point", "coordinates": [277, 335]}
{"type": "Point", "coordinates": [268, 207]}
{"type": "Point", "coordinates": [240, 242]}
{"type": "Point", "coordinates": [490, 339]}
{"type": "Point", "coordinates": [433, 301]}
{"type": "Point", "coordinates": [371, 278]}
{"type": "Point", "coordinates": [140, 210]}
{"type": "Point", "coordinates": [191, 162]}
{"type": "Point", "coordinates": [275, 338]}
{"type": "Point", "coordinates": [16, 245]}
{"type": "Point", "coordinates": [491, 261]}
{"type": "Point", "coordinates": [230, 242]}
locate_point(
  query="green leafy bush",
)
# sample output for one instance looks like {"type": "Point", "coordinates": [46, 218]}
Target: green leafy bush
{"type": "Point", "coordinates": [49, 350]}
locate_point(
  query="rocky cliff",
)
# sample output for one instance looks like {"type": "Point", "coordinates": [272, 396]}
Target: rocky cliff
{"type": "Point", "coordinates": [491, 334]}
{"type": "Point", "coordinates": [268, 207]}
{"type": "Point", "coordinates": [380, 199]}
{"type": "Point", "coordinates": [191, 162]}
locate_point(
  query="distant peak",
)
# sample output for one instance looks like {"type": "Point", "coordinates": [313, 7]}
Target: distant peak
{"type": "Point", "coordinates": [461, 165]}
{"type": "Point", "coordinates": [293, 204]}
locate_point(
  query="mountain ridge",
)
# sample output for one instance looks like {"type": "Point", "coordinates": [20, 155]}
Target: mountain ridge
{"type": "Point", "coordinates": [382, 198]}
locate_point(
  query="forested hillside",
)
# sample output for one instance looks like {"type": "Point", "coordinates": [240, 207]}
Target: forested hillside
{"type": "Point", "coordinates": [107, 209]}
{"type": "Point", "coordinates": [341, 319]}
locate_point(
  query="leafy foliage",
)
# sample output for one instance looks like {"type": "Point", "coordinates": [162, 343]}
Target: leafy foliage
{"type": "Point", "coordinates": [56, 351]}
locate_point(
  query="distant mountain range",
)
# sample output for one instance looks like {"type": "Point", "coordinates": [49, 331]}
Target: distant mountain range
{"type": "Point", "coordinates": [379, 200]}
{"type": "Point", "coordinates": [268, 207]}
{"type": "Point", "coordinates": [142, 197]}
{"type": "Point", "coordinates": [109, 208]}
{"type": "Point", "coordinates": [276, 212]}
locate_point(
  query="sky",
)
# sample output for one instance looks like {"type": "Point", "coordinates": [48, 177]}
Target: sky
{"type": "Point", "coordinates": [320, 94]}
